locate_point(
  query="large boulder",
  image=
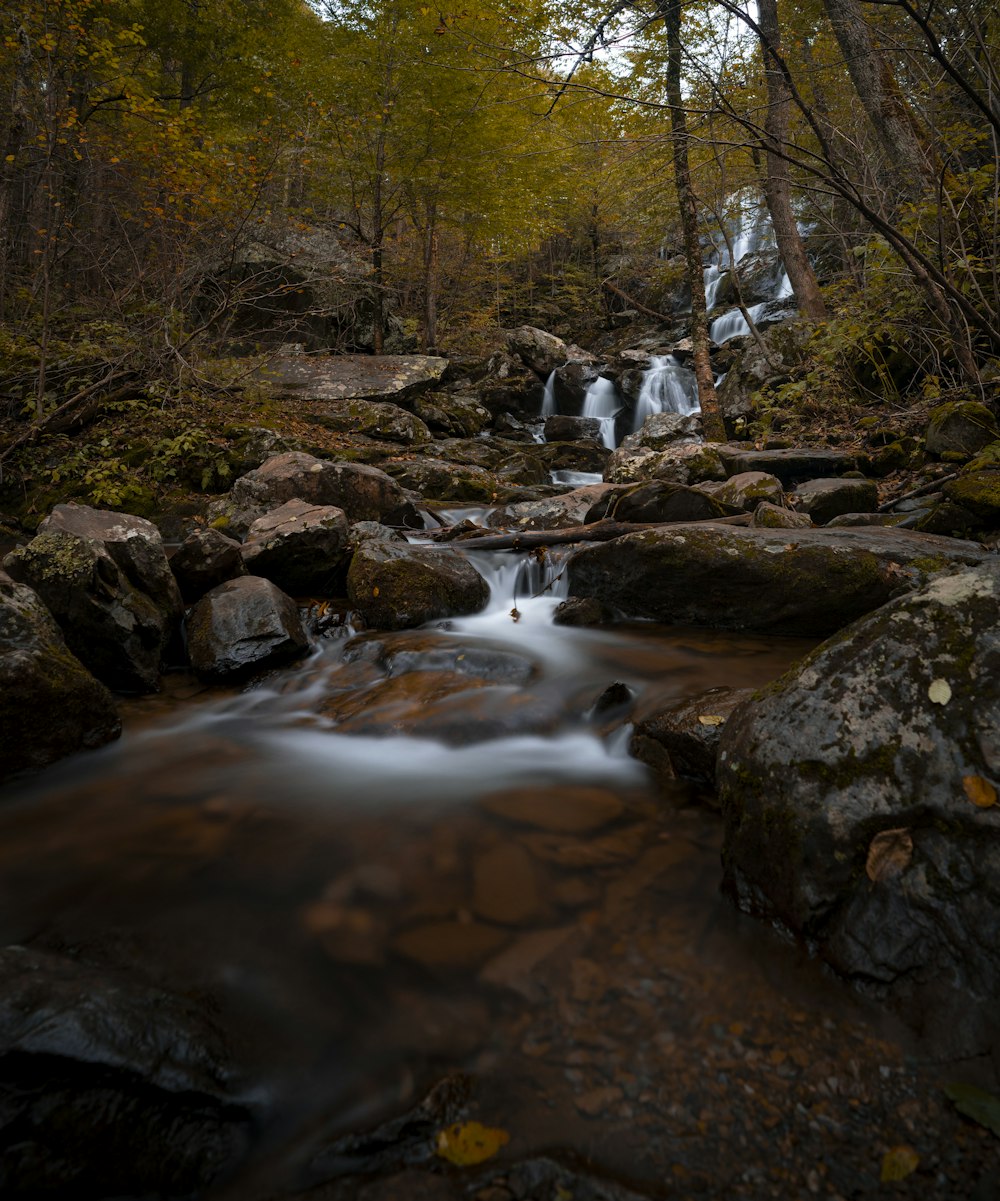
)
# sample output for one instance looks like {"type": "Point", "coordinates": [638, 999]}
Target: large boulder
{"type": "Point", "coordinates": [553, 512]}
{"type": "Point", "coordinates": [749, 489]}
{"type": "Point", "coordinates": [454, 416]}
{"type": "Point", "coordinates": [559, 428]}
{"type": "Point", "coordinates": [509, 386]}
{"type": "Point", "coordinates": [960, 429]}
{"type": "Point", "coordinates": [790, 465]}
{"type": "Point", "coordinates": [314, 379]}
{"type": "Point", "coordinates": [809, 582]}
{"type": "Point", "coordinates": [397, 587]}
{"type": "Point", "coordinates": [205, 559]}
{"type": "Point", "coordinates": [300, 547]}
{"type": "Point", "coordinates": [758, 367]}
{"type": "Point", "coordinates": [113, 627]}
{"type": "Point", "coordinates": [681, 463]}
{"type": "Point", "coordinates": [826, 499]}
{"type": "Point", "coordinates": [660, 500]}
{"type": "Point", "coordinates": [541, 351]}
{"type": "Point", "coordinates": [436, 479]}
{"type": "Point", "coordinates": [242, 626]}
{"type": "Point", "coordinates": [50, 705]}
{"type": "Point", "coordinates": [978, 492]}
{"type": "Point", "coordinates": [364, 493]}
{"type": "Point", "coordinates": [860, 792]}
{"type": "Point", "coordinates": [111, 1088]}
{"type": "Point", "coordinates": [374, 419]}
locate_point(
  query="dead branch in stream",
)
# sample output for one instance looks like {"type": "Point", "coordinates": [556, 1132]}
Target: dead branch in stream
{"type": "Point", "coordinates": [597, 531]}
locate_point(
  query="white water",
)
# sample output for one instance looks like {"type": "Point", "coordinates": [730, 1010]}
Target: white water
{"type": "Point", "coordinates": [577, 479]}
{"type": "Point", "coordinates": [667, 387]}
{"type": "Point", "coordinates": [601, 401]}
{"type": "Point", "coordinates": [549, 396]}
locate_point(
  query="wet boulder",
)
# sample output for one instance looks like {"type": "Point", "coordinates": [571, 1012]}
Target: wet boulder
{"type": "Point", "coordinates": [110, 1088]}
{"type": "Point", "coordinates": [774, 517]}
{"type": "Point", "coordinates": [454, 416]}
{"type": "Point", "coordinates": [552, 512]}
{"type": "Point", "coordinates": [660, 500]}
{"type": "Point", "coordinates": [960, 429]}
{"type": "Point", "coordinates": [809, 582]}
{"type": "Point", "coordinates": [416, 650]}
{"type": "Point", "coordinates": [749, 489]}
{"type": "Point", "coordinates": [364, 493]}
{"type": "Point", "coordinates": [541, 351]}
{"type": "Point", "coordinates": [574, 377]}
{"type": "Point", "coordinates": [398, 587]}
{"type": "Point", "coordinates": [113, 627]}
{"type": "Point", "coordinates": [302, 548]}
{"type": "Point", "coordinates": [374, 419]}
{"type": "Point", "coordinates": [206, 558]}
{"type": "Point", "coordinates": [437, 479]}
{"type": "Point", "coordinates": [860, 792]}
{"type": "Point", "coordinates": [662, 430]}
{"type": "Point", "coordinates": [682, 740]}
{"type": "Point", "coordinates": [242, 626]}
{"type": "Point", "coordinates": [573, 456]}
{"type": "Point", "coordinates": [50, 705]}
{"type": "Point", "coordinates": [559, 428]}
{"type": "Point", "coordinates": [825, 499]}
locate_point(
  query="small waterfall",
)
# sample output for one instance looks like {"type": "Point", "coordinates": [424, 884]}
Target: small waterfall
{"type": "Point", "coordinates": [601, 401]}
{"type": "Point", "coordinates": [712, 275]}
{"type": "Point", "coordinates": [733, 324]}
{"type": "Point", "coordinates": [549, 396]}
{"type": "Point", "coordinates": [667, 387]}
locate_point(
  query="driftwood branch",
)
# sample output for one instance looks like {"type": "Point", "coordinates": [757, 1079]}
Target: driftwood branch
{"type": "Point", "coordinates": [932, 486]}
{"type": "Point", "coordinates": [596, 531]}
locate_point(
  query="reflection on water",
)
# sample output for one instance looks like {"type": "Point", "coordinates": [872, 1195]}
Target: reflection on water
{"type": "Point", "coordinates": [415, 854]}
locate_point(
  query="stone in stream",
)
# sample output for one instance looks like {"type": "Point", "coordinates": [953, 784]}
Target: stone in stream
{"type": "Point", "coordinates": [564, 809]}
{"type": "Point", "coordinates": [505, 885]}
{"type": "Point", "coordinates": [111, 1088]}
{"type": "Point", "coordinates": [117, 630]}
{"type": "Point", "coordinates": [861, 795]}
{"type": "Point", "coordinates": [364, 493]}
{"type": "Point", "coordinates": [416, 650]}
{"type": "Point", "coordinates": [205, 559]}
{"type": "Point", "coordinates": [50, 705]}
{"type": "Point", "coordinates": [560, 428]}
{"type": "Point", "coordinates": [242, 626]}
{"type": "Point", "coordinates": [809, 582]}
{"type": "Point", "coordinates": [541, 351]}
{"type": "Point", "coordinates": [397, 587]}
{"type": "Point", "coordinates": [552, 513]}
{"type": "Point", "coordinates": [436, 479]}
{"type": "Point", "coordinates": [302, 548]}
{"type": "Point", "coordinates": [660, 500]}
{"type": "Point", "coordinates": [824, 499]}
{"type": "Point", "coordinates": [682, 463]}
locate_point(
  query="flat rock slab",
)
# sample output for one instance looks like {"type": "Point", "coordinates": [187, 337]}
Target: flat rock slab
{"type": "Point", "coordinates": [389, 377]}
{"type": "Point", "coordinates": [805, 582]}
{"type": "Point", "coordinates": [789, 466]}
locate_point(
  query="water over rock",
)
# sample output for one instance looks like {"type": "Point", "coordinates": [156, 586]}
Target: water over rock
{"type": "Point", "coordinates": [50, 705]}
{"type": "Point", "coordinates": [242, 626]}
{"type": "Point", "coordinates": [809, 582]}
{"type": "Point", "coordinates": [206, 558]}
{"type": "Point", "coordinates": [398, 586]}
{"type": "Point", "coordinates": [824, 499]}
{"type": "Point", "coordinates": [300, 547]}
{"type": "Point", "coordinates": [860, 792]}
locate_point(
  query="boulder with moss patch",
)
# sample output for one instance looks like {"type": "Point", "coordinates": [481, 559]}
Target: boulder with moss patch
{"type": "Point", "coordinates": [380, 420]}
{"type": "Point", "coordinates": [824, 499]}
{"type": "Point", "coordinates": [397, 587]}
{"type": "Point", "coordinates": [959, 429]}
{"type": "Point", "coordinates": [978, 492]}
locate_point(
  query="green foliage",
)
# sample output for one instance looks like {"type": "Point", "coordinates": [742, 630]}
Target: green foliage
{"type": "Point", "coordinates": [191, 456]}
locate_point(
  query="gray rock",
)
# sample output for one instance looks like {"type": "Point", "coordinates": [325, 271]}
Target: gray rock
{"type": "Point", "coordinates": [825, 499]}
{"type": "Point", "coordinates": [689, 463]}
{"type": "Point", "coordinates": [243, 626]}
{"type": "Point", "coordinates": [560, 428]}
{"type": "Point", "coordinates": [456, 416]}
{"type": "Point", "coordinates": [660, 500]}
{"type": "Point", "coordinates": [116, 630]}
{"type": "Point", "coordinates": [748, 489]}
{"type": "Point", "coordinates": [300, 547]}
{"type": "Point", "coordinates": [436, 479]}
{"type": "Point", "coordinates": [50, 705]}
{"type": "Point", "coordinates": [205, 558]}
{"type": "Point", "coordinates": [397, 587]}
{"type": "Point", "coordinates": [552, 513]}
{"type": "Point", "coordinates": [756, 368]}
{"type": "Point", "coordinates": [773, 517]}
{"type": "Point", "coordinates": [809, 582]}
{"type": "Point", "coordinates": [582, 611]}
{"type": "Point", "coordinates": [661, 430]}
{"type": "Point", "coordinates": [374, 377]}
{"type": "Point", "coordinates": [790, 466]}
{"type": "Point", "coordinates": [860, 791]}
{"type": "Point", "coordinates": [374, 419]}
{"type": "Point", "coordinates": [542, 352]}
{"type": "Point", "coordinates": [960, 429]}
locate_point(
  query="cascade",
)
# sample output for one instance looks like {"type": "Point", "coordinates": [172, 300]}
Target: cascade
{"type": "Point", "coordinates": [667, 387]}
{"type": "Point", "coordinates": [549, 396]}
{"type": "Point", "coordinates": [601, 401]}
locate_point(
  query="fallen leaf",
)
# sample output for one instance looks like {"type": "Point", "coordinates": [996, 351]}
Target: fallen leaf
{"type": "Point", "coordinates": [898, 1163]}
{"type": "Point", "coordinates": [710, 719]}
{"type": "Point", "coordinates": [979, 791]}
{"type": "Point", "coordinates": [939, 692]}
{"type": "Point", "coordinates": [467, 1143]}
{"type": "Point", "coordinates": [889, 853]}
{"type": "Point", "coordinates": [976, 1103]}
{"type": "Point", "coordinates": [515, 613]}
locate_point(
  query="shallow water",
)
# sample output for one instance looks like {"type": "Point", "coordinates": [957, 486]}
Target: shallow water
{"type": "Point", "coordinates": [422, 853]}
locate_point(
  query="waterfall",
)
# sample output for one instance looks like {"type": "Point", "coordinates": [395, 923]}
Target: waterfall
{"type": "Point", "coordinates": [549, 396]}
{"type": "Point", "coordinates": [733, 324]}
{"type": "Point", "coordinates": [667, 387]}
{"type": "Point", "coordinates": [601, 401]}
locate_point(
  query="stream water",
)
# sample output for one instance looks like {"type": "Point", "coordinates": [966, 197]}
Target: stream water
{"type": "Point", "coordinates": [427, 852]}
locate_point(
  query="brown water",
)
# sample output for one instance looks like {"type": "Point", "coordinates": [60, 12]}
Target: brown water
{"type": "Point", "coordinates": [371, 910]}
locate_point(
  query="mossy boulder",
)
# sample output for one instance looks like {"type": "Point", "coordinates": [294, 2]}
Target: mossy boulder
{"type": "Point", "coordinates": [809, 582]}
{"type": "Point", "coordinates": [860, 792]}
{"type": "Point", "coordinates": [682, 463]}
{"type": "Point", "coordinates": [455, 416]}
{"type": "Point", "coordinates": [748, 489]}
{"type": "Point", "coordinates": [50, 705]}
{"type": "Point", "coordinates": [959, 429]}
{"type": "Point", "coordinates": [979, 493]}
{"type": "Point", "coordinates": [552, 513]}
{"type": "Point", "coordinates": [380, 420]}
{"type": "Point", "coordinates": [773, 517]}
{"type": "Point", "coordinates": [436, 479]}
{"type": "Point", "coordinates": [660, 500]}
{"type": "Point", "coordinates": [397, 587]}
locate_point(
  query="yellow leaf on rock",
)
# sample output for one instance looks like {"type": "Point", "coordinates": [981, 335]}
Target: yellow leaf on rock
{"type": "Point", "coordinates": [939, 692]}
{"type": "Point", "coordinates": [898, 1163]}
{"type": "Point", "coordinates": [979, 791]}
{"type": "Point", "coordinates": [467, 1143]}
{"type": "Point", "coordinates": [710, 719]}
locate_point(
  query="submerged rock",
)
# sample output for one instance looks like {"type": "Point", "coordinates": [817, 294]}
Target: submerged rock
{"type": "Point", "coordinates": [809, 582]}
{"type": "Point", "coordinates": [401, 586]}
{"type": "Point", "coordinates": [50, 705]}
{"type": "Point", "coordinates": [300, 547]}
{"type": "Point", "coordinates": [861, 791]}
{"type": "Point", "coordinates": [242, 626]}
{"type": "Point", "coordinates": [205, 559]}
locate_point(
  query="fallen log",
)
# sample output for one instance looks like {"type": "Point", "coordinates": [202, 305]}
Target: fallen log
{"type": "Point", "coordinates": [597, 531]}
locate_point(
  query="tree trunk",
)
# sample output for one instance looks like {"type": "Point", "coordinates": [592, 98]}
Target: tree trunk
{"type": "Point", "coordinates": [430, 281]}
{"type": "Point", "coordinates": [777, 188]}
{"type": "Point", "coordinates": [711, 415]}
{"type": "Point", "coordinates": [880, 95]}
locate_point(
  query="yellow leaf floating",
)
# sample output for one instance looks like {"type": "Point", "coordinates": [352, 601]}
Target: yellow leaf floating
{"type": "Point", "coordinates": [979, 791]}
{"type": "Point", "coordinates": [898, 1163]}
{"type": "Point", "coordinates": [468, 1143]}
